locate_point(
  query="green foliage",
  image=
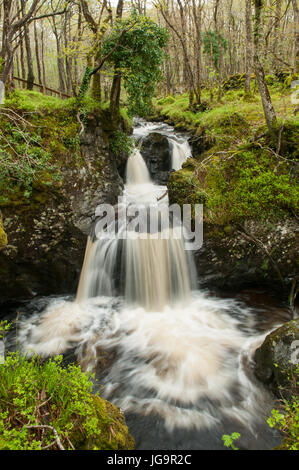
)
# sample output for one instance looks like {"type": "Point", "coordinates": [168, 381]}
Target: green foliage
{"type": "Point", "coordinates": [85, 82]}
{"type": "Point", "coordinates": [4, 327]}
{"type": "Point", "coordinates": [286, 418]}
{"type": "Point", "coordinates": [213, 43]}
{"type": "Point", "coordinates": [228, 440]}
{"type": "Point", "coordinates": [32, 101]}
{"type": "Point", "coordinates": [38, 134]}
{"type": "Point", "coordinates": [139, 58]}
{"type": "Point", "coordinates": [36, 394]}
{"type": "Point", "coordinates": [121, 143]}
{"type": "Point", "coordinates": [240, 178]}
{"type": "Point", "coordinates": [21, 157]}
{"type": "Point", "coordinates": [250, 184]}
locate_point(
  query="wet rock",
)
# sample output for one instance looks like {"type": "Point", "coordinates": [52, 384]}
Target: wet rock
{"type": "Point", "coordinates": [114, 431]}
{"type": "Point", "coordinates": [47, 234]}
{"type": "Point", "coordinates": [156, 151]}
{"type": "Point", "coordinates": [277, 359]}
{"type": "Point", "coordinates": [234, 257]}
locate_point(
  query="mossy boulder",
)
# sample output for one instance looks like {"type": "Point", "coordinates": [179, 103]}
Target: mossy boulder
{"type": "Point", "coordinates": [114, 431]}
{"type": "Point", "coordinates": [276, 359]}
{"type": "Point", "coordinates": [183, 187]}
{"type": "Point", "coordinates": [234, 82]}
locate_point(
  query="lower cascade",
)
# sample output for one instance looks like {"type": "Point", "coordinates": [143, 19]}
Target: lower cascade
{"type": "Point", "coordinates": [175, 359]}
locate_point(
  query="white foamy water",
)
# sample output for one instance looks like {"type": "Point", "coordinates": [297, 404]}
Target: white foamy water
{"type": "Point", "coordinates": [185, 364]}
{"type": "Point", "coordinates": [180, 147]}
{"type": "Point", "coordinates": [175, 352]}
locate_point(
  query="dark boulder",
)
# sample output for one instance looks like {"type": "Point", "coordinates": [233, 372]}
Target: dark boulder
{"type": "Point", "coordinates": [277, 359]}
{"type": "Point", "coordinates": [157, 153]}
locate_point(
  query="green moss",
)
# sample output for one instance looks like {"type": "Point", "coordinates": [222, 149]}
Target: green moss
{"type": "Point", "coordinates": [183, 188]}
{"type": "Point", "coordinates": [241, 176]}
{"type": "Point", "coordinates": [3, 236]}
{"type": "Point", "coordinates": [114, 432]}
{"type": "Point", "coordinates": [35, 394]}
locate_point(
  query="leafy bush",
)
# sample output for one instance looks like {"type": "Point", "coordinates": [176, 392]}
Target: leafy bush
{"type": "Point", "coordinates": [46, 406]}
{"type": "Point", "coordinates": [286, 418]}
{"type": "Point", "coordinates": [139, 58]}
{"type": "Point", "coordinates": [121, 143]}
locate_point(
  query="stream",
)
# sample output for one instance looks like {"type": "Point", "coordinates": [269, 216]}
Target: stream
{"type": "Point", "coordinates": [176, 359]}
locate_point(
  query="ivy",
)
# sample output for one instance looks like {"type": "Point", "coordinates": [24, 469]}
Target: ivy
{"type": "Point", "coordinates": [213, 43]}
{"type": "Point", "coordinates": [138, 58]}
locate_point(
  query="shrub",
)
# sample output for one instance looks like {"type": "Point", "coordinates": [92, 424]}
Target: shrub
{"type": "Point", "coordinates": [46, 406]}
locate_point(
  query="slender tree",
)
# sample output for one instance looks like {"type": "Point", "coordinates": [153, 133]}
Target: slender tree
{"type": "Point", "coordinates": [249, 46]}
{"type": "Point", "coordinates": [296, 35]}
{"type": "Point", "coordinates": [259, 70]}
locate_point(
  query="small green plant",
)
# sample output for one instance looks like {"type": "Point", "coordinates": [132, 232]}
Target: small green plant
{"type": "Point", "coordinates": [120, 142]}
{"type": "Point", "coordinates": [286, 418]}
{"type": "Point", "coordinates": [44, 405]}
{"type": "Point", "coordinates": [228, 440]}
{"type": "Point", "coordinates": [4, 327]}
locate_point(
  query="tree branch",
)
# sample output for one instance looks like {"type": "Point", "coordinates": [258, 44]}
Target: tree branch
{"type": "Point", "coordinates": [47, 15]}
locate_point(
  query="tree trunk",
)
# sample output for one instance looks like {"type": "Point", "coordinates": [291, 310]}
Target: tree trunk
{"type": "Point", "coordinates": [197, 16]}
{"type": "Point", "coordinates": [249, 51]}
{"type": "Point", "coordinates": [30, 72]}
{"type": "Point", "coordinates": [277, 47]}
{"type": "Point", "coordinates": [116, 84]}
{"type": "Point", "coordinates": [44, 80]}
{"type": "Point", "coordinates": [296, 35]}
{"type": "Point", "coordinates": [39, 70]}
{"type": "Point", "coordinates": [259, 71]}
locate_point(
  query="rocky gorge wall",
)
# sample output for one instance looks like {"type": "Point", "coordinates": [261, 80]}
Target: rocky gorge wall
{"type": "Point", "coordinates": [46, 236]}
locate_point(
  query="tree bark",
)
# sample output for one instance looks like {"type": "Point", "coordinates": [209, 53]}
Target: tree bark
{"type": "Point", "coordinates": [296, 35]}
{"type": "Point", "coordinates": [37, 56]}
{"type": "Point", "coordinates": [30, 72]}
{"type": "Point", "coordinates": [269, 111]}
{"type": "Point", "coordinates": [249, 45]}
{"type": "Point", "coordinates": [116, 84]}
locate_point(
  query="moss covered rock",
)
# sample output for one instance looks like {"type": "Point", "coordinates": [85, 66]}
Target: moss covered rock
{"type": "Point", "coordinates": [114, 431]}
{"type": "Point", "coordinates": [276, 359]}
{"type": "Point", "coordinates": [47, 219]}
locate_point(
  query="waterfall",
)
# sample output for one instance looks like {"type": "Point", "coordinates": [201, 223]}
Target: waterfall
{"type": "Point", "coordinates": [180, 153]}
{"type": "Point", "coordinates": [156, 270]}
{"type": "Point", "coordinates": [137, 172]}
{"type": "Point", "coordinates": [176, 359]}
{"type": "Point", "coordinates": [157, 273]}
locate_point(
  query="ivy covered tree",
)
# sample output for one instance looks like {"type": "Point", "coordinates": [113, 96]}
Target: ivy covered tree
{"type": "Point", "coordinates": [213, 45]}
{"type": "Point", "coordinates": [138, 57]}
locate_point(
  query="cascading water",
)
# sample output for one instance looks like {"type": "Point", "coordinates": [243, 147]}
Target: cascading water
{"type": "Point", "coordinates": [179, 144]}
{"type": "Point", "coordinates": [180, 359]}
{"type": "Point", "coordinates": [156, 270]}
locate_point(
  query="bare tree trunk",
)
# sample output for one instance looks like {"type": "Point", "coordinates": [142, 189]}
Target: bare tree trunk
{"type": "Point", "coordinates": [39, 71]}
{"type": "Point", "coordinates": [6, 50]}
{"type": "Point", "coordinates": [259, 70]}
{"type": "Point", "coordinates": [220, 60]}
{"type": "Point", "coordinates": [68, 60]}
{"type": "Point", "coordinates": [276, 37]}
{"type": "Point", "coordinates": [116, 84]}
{"type": "Point", "coordinates": [30, 71]}
{"type": "Point", "coordinates": [249, 45]}
{"type": "Point", "coordinates": [296, 35]}
{"type": "Point", "coordinates": [44, 80]}
{"type": "Point", "coordinates": [197, 16]}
